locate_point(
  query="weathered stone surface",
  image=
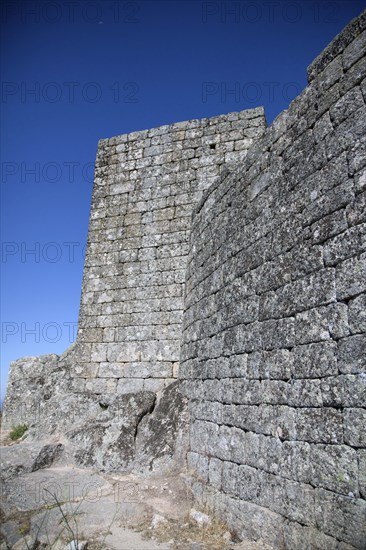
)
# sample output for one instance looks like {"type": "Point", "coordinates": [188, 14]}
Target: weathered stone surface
{"type": "Point", "coordinates": [361, 456]}
{"type": "Point", "coordinates": [272, 364]}
{"type": "Point", "coordinates": [329, 226]}
{"type": "Point", "coordinates": [356, 212]}
{"type": "Point", "coordinates": [349, 244]}
{"type": "Point", "coordinates": [355, 50]}
{"type": "Point", "coordinates": [342, 517]}
{"type": "Point", "coordinates": [299, 537]}
{"type": "Point", "coordinates": [354, 427]}
{"type": "Point", "coordinates": [164, 172]}
{"type": "Point", "coordinates": [16, 461]}
{"type": "Point", "coordinates": [30, 383]}
{"type": "Point", "coordinates": [348, 103]}
{"type": "Point", "coordinates": [321, 323]}
{"type": "Point", "coordinates": [47, 455]}
{"type": "Point", "coordinates": [319, 425]}
{"type": "Point", "coordinates": [351, 277]}
{"type": "Point", "coordinates": [315, 360]}
{"type": "Point", "coordinates": [344, 391]}
{"type": "Point", "coordinates": [352, 354]}
{"type": "Point", "coordinates": [109, 442]}
{"type": "Point", "coordinates": [335, 468]}
{"type": "Point", "coordinates": [160, 438]}
{"type": "Point", "coordinates": [287, 430]}
{"type": "Point", "coordinates": [357, 314]}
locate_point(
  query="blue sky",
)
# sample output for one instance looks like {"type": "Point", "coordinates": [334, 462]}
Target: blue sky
{"type": "Point", "coordinates": [77, 71]}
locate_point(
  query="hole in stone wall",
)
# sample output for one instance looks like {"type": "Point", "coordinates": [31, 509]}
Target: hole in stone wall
{"type": "Point", "coordinates": [212, 145]}
{"type": "Point", "coordinates": [103, 405]}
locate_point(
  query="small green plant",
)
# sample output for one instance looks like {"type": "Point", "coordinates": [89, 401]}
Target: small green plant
{"type": "Point", "coordinates": [18, 431]}
{"type": "Point", "coordinates": [69, 528]}
{"type": "Point", "coordinates": [24, 529]}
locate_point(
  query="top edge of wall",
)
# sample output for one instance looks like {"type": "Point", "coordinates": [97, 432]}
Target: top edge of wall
{"type": "Point", "coordinates": [337, 46]}
{"type": "Point", "coordinates": [278, 126]}
{"type": "Point", "coordinates": [184, 125]}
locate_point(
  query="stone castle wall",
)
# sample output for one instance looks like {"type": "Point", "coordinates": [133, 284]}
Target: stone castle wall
{"type": "Point", "coordinates": [254, 310]}
{"type": "Point", "coordinates": [274, 343]}
{"type": "Point", "coordinates": [146, 186]}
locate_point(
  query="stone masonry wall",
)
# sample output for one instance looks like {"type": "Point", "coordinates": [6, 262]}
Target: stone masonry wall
{"type": "Point", "coordinates": [146, 185]}
{"type": "Point", "coordinates": [274, 344]}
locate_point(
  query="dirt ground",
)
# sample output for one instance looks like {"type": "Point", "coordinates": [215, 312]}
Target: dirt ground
{"type": "Point", "coordinates": [51, 507]}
